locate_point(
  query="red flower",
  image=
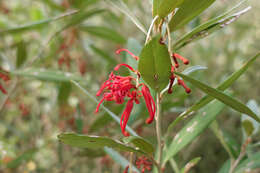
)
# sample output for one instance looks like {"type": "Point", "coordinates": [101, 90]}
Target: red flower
{"type": "Point", "coordinates": [185, 61]}
{"type": "Point", "coordinates": [5, 77]}
{"type": "Point", "coordinates": [144, 164]}
{"type": "Point", "coordinates": [118, 88]}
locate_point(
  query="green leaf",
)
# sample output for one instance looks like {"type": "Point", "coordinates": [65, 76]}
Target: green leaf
{"type": "Point", "coordinates": [193, 69]}
{"type": "Point", "coordinates": [207, 99]}
{"type": "Point", "coordinates": [218, 94]}
{"type": "Point", "coordinates": [227, 141]}
{"type": "Point", "coordinates": [250, 126]}
{"type": "Point", "coordinates": [187, 11]}
{"type": "Point", "coordinates": [209, 27]}
{"type": "Point", "coordinates": [156, 4]}
{"type": "Point", "coordinates": [92, 153]}
{"type": "Point", "coordinates": [251, 163]}
{"type": "Point", "coordinates": [122, 7]}
{"type": "Point", "coordinates": [27, 155]}
{"type": "Point", "coordinates": [190, 164]}
{"type": "Point", "coordinates": [103, 54]}
{"type": "Point", "coordinates": [155, 64]}
{"type": "Point", "coordinates": [47, 75]}
{"type": "Point", "coordinates": [94, 142]}
{"type": "Point", "coordinates": [119, 159]}
{"type": "Point", "coordinates": [194, 128]}
{"type": "Point", "coordinates": [21, 54]}
{"type": "Point", "coordinates": [225, 167]}
{"type": "Point", "coordinates": [36, 25]}
{"type": "Point", "coordinates": [81, 17]}
{"type": "Point", "coordinates": [64, 92]}
{"type": "Point", "coordinates": [167, 6]}
{"type": "Point", "coordinates": [140, 143]}
{"type": "Point", "coordinates": [104, 33]}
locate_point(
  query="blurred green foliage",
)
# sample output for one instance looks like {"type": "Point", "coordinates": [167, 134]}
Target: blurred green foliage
{"type": "Point", "coordinates": [45, 44]}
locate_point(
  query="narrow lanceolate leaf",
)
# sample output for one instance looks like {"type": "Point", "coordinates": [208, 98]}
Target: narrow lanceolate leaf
{"type": "Point", "coordinates": [121, 6]}
{"type": "Point", "coordinates": [81, 17]}
{"type": "Point", "coordinates": [250, 126]}
{"type": "Point", "coordinates": [140, 143]}
{"type": "Point", "coordinates": [190, 165]}
{"type": "Point", "coordinates": [155, 64]}
{"type": "Point", "coordinates": [227, 141]}
{"type": "Point", "coordinates": [104, 33]}
{"type": "Point", "coordinates": [187, 11]}
{"type": "Point", "coordinates": [119, 158]}
{"type": "Point", "coordinates": [103, 54]}
{"type": "Point", "coordinates": [94, 142]}
{"type": "Point", "coordinates": [35, 25]}
{"type": "Point", "coordinates": [64, 91]}
{"type": "Point", "coordinates": [194, 128]}
{"type": "Point", "coordinates": [21, 54]}
{"type": "Point", "coordinates": [47, 75]}
{"type": "Point", "coordinates": [209, 27]}
{"type": "Point", "coordinates": [207, 99]}
{"type": "Point", "coordinates": [219, 95]}
{"type": "Point", "coordinates": [167, 6]}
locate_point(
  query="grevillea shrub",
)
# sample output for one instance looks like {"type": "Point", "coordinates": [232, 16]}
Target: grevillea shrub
{"type": "Point", "coordinates": [129, 86]}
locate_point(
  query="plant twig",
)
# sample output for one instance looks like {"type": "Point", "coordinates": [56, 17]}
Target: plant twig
{"type": "Point", "coordinates": [241, 155]}
{"type": "Point", "coordinates": [174, 165]}
{"type": "Point", "coordinates": [150, 29]}
{"type": "Point", "coordinates": [158, 132]}
{"type": "Point", "coordinates": [131, 163]}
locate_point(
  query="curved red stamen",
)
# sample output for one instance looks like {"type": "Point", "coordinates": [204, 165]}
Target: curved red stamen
{"type": "Point", "coordinates": [2, 89]}
{"type": "Point", "coordinates": [175, 60]}
{"type": "Point", "coordinates": [101, 101]}
{"type": "Point", "coordinates": [126, 65]}
{"type": "Point", "coordinates": [125, 116]}
{"type": "Point", "coordinates": [150, 104]}
{"type": "Point", "coordinates": [130, 53]}
{"type": "Point", "coordinates": [181, 82]}
{"type": "Point", "coordinates": [172, 78]}
{"type": "Point", "coordinates": [184, 60]}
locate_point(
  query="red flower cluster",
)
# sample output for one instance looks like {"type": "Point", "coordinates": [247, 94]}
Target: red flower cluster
{"type": "Point", "coordinates": [176, 56]}
{"type": "Point", "coordinates": [143, 163]}
{"type": "Point", "coordinates": [5, 77]}
{"type": "Point", "coordinates": [118, 88]}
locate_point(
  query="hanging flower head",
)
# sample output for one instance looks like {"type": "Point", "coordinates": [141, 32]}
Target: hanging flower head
{"type": "Point", "coordinates": [120, 88]}
{"type": "Point", "coordinates": [185, 61]}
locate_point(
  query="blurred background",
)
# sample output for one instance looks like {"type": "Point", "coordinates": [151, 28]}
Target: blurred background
{"type": "Point", "coordinates": [80, 37]}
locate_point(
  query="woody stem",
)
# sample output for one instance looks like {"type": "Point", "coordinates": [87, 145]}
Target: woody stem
{"type": "Point", "coordinates": [158, 132]}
